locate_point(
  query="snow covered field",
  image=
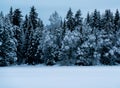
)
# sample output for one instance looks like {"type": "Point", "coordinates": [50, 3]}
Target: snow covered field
{"type": "Point", "coordinates": [60, 77]}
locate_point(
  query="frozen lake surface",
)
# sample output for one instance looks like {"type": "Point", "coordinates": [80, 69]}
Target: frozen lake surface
{"type": "Point", "coordinates": [60, 77]}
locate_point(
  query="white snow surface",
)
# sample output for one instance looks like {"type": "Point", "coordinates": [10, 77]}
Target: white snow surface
{"type": "Point", "coordinates": [60, 77]}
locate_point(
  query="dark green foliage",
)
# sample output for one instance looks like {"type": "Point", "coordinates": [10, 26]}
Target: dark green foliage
{"type": "Point", "coordinates": [70, 20]}
{"type": "Point", "coordinates": [17, 17]}
{"type": "Point", "coordinates": [33, 17]}
{"type": "Point", "coordinates": [117, 20]}
{"type": "Point", "coordinates": [107, 21]}
{"type": "Point", "coordinates": [11, 15]}
{"type": "Point", "coordinates": [88, 19]}
{"type": "Point", "coordinates": [95, 20]}
{"type": "Point", "coordinates": [78, 18]}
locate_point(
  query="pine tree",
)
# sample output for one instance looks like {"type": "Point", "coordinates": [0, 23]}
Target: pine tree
{"type": "Point", "coordinates": [34, 52]}
{"type": "Point", "coordinates": [25, 23]}
{"type": "Point", "coordinates": [20, 37]}
{"type": "Point", "coordinates": [33, 16]}
{"type": "Point", "coordinates": [28, 37]}
{"type": "Point", "coordinates": [78, 21]}
{"type": "Point", "coordinates": [8, 48]}
{"type": "Point", "coordinates": [117, 20]}
{"type": "Point", "coordinates": [107, 21]}
{"type": "Point", "coordinates": [17, 17]}
{"type": "Point", "coordinates": [88, 19]}
{"type": "Point", "coordinates": [96, 20]}
{"type": "Point", "coordinates": [11, 14]}
{"type": "Point", "coordinates": [78, 18]}
{"type": "Point", "coordinates": [32, 42]}
{"type": "Point", "coordinates": [18, 34]}
{"type": "Point", "coordinates": [40, 23]}
{"type": "Point", "coordinates": [70, 21]}
{"type": "Point", "coordinates": [38, 43]}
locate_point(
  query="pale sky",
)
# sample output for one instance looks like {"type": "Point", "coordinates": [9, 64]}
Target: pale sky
{"type": "Point", "coordinates": [46, 7]}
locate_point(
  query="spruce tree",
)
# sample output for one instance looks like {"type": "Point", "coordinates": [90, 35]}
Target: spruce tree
{"type": "Point", "coordinates": [33, 16]}
{"type": "Point", "coordinates": [107, 21]}
{"type": "Point", "coordinates": [17, 17]}
{"type": "Point", "coordinates": [70, 21]}
{"type": "Point", "coordinates": [78, 18]}
{"type": "Point", "coordinates": [8, 48]}
{"type": "Point", "coordinates": [11, 15]}
{"type": "Point", "coordinates": [88, 19]}
{"type": "Point", "coordinates": [96, 19]}
{"type": "Point", "coordinates": [117, 20]}
{"type": "Point", "coordinates": [25, 23]}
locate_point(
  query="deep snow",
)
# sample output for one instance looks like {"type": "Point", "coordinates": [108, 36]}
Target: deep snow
{"type": "Point", "coordinates": [60, 77]}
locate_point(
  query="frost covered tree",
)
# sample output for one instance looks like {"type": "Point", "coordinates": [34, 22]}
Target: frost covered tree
{"type": "Point", "coordinates": [106, 44]}
{"type": "Point", "coordinates": [32, 37]}
{"type": "Point", "coordinates": [47, 47]}
{"type": "Point", "coordinates": [17, 21]}
{"type": "Point", "coordinates": [70, 43]}
{"type": "Point", "coordinates": [86, 47]}
{"type": "Point", "coordinates": [8, 48]}
{"type": "Point", "coordinates": [74, 41]}
{"type": "Point", "coordinates": [20, 35]}
{"type": "Point", "coordinates": [28, 29]}
{"type": "Point", "coordinates": [52, 37]}
{"type": "Point", "coordinates": [55, 20]}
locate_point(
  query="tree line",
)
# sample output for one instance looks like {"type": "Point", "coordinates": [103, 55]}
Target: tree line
{"type": "Point", "coordinates": [88, 41]}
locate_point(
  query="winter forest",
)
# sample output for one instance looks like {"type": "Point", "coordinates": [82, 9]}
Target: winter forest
{"type": "Point", "coordinates": [69, 41]}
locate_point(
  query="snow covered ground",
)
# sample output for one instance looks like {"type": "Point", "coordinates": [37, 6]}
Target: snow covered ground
{"type": "Point", "coordinates": [60, 77]}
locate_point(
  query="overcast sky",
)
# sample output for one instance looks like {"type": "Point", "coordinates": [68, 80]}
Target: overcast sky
{"type": "Point", "coordinates": [47, 7]}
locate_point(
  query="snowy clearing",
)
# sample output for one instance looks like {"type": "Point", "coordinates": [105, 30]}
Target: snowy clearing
{"type": "Point", "coordinates": [60, 77]}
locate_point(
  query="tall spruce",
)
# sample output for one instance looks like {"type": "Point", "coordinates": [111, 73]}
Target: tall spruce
{"type": "Point", "coordinates": [107, 21]}
{"type": "Point", "coordinates": [88, 19]}
{"type": "Point", "coordinates": [117, 20]}
{"type": "Point", "coordinates": [96, 20]}
{"type": "Point", "coordinates": [8, 48]}
{"type": "Point", "coordinates": [33, 16]}
{"type": "Point", "coordinates": [17, 17]}
{"type": "Point", "coordinates": [70, 20]}
{"type": "Point", "coordinates": [78, 18]}
{"type": "Point", "coordinates": [11, 15]}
